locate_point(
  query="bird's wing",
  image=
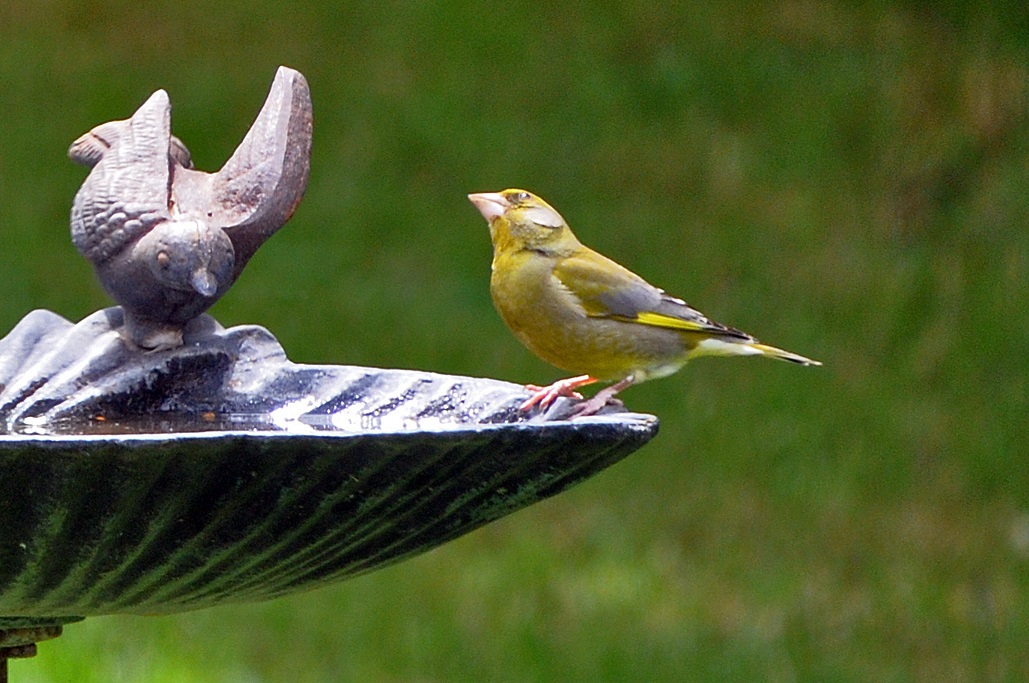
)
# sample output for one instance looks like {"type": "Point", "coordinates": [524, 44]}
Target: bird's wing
{"type": "Point", "coordinates": [606, 289]}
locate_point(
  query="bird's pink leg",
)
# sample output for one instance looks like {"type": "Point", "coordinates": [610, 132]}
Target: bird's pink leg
{"type": "Point", "coordinates": [601, 398]}
{"type": "Point", "coordinates": [544, 396]}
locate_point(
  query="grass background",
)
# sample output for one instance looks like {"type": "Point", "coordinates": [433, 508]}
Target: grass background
{"type": "Point", "coordinates": [845, 179]}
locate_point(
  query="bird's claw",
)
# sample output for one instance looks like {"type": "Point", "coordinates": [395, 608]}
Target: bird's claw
{"type": "Point", "coordinates": [593, 406]}
{"type": "Point", "coordinates": [544, 397]}
{"type": "Point", "coordinates": [604, 397]}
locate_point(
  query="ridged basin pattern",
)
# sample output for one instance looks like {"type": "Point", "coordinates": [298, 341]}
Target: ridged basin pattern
{"type": "Point", "coordinates": [299, 476]}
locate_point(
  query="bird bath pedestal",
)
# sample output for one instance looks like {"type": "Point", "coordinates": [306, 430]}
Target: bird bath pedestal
{"type": "Point", "coordinates": [153, 462]}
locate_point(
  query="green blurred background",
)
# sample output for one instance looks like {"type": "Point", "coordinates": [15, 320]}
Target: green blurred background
{"type": "Point", "coordinates": [847, 180]}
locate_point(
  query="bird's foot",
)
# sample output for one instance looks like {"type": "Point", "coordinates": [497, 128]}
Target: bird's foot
{"type": "Point", "coordinates": [604, 397]}
{"type": "Point", "coordinates": [545, 396]}
{"type": "Point", "coordinates": [593, 406]}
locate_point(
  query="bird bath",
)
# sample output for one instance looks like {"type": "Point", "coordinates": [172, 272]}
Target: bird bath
{"type": "Point", "coordinates": [153, 462]}
{"type": "Point", "coordinates": [221, 472]}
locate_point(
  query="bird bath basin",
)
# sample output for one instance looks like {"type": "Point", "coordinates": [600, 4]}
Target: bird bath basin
{"type": "Point", "coordinates": [219, 472]}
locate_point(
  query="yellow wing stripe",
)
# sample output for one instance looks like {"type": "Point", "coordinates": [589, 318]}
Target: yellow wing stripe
{"type": "Point", "coordinates": [659, 320]}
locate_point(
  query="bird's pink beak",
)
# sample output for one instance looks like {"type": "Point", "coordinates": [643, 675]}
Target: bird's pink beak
{"type": "Point", "coordinates": [489, 204]}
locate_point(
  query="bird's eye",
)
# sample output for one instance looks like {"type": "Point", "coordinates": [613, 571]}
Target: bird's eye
{"type": "Point", "coordinates": [521, 196]}
{"type": "Point", "coordinates": [163, 260]}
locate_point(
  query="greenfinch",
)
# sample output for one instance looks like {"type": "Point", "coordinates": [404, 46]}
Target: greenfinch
{"type": "Point", "coordinates": [588, 315]}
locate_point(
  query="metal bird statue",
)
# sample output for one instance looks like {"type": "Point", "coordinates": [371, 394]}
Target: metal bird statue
{"type": "Point", "coordinates": [167, 241]}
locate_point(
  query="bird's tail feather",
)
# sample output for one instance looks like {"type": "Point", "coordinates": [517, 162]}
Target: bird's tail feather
{"type": "Point", "coordinates": [779, 354]}
{"type": "Point", "coordinates": [713, 346]}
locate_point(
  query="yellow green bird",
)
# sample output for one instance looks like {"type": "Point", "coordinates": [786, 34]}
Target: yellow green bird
{"type": "Point", "coordinates": [586, 314]}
